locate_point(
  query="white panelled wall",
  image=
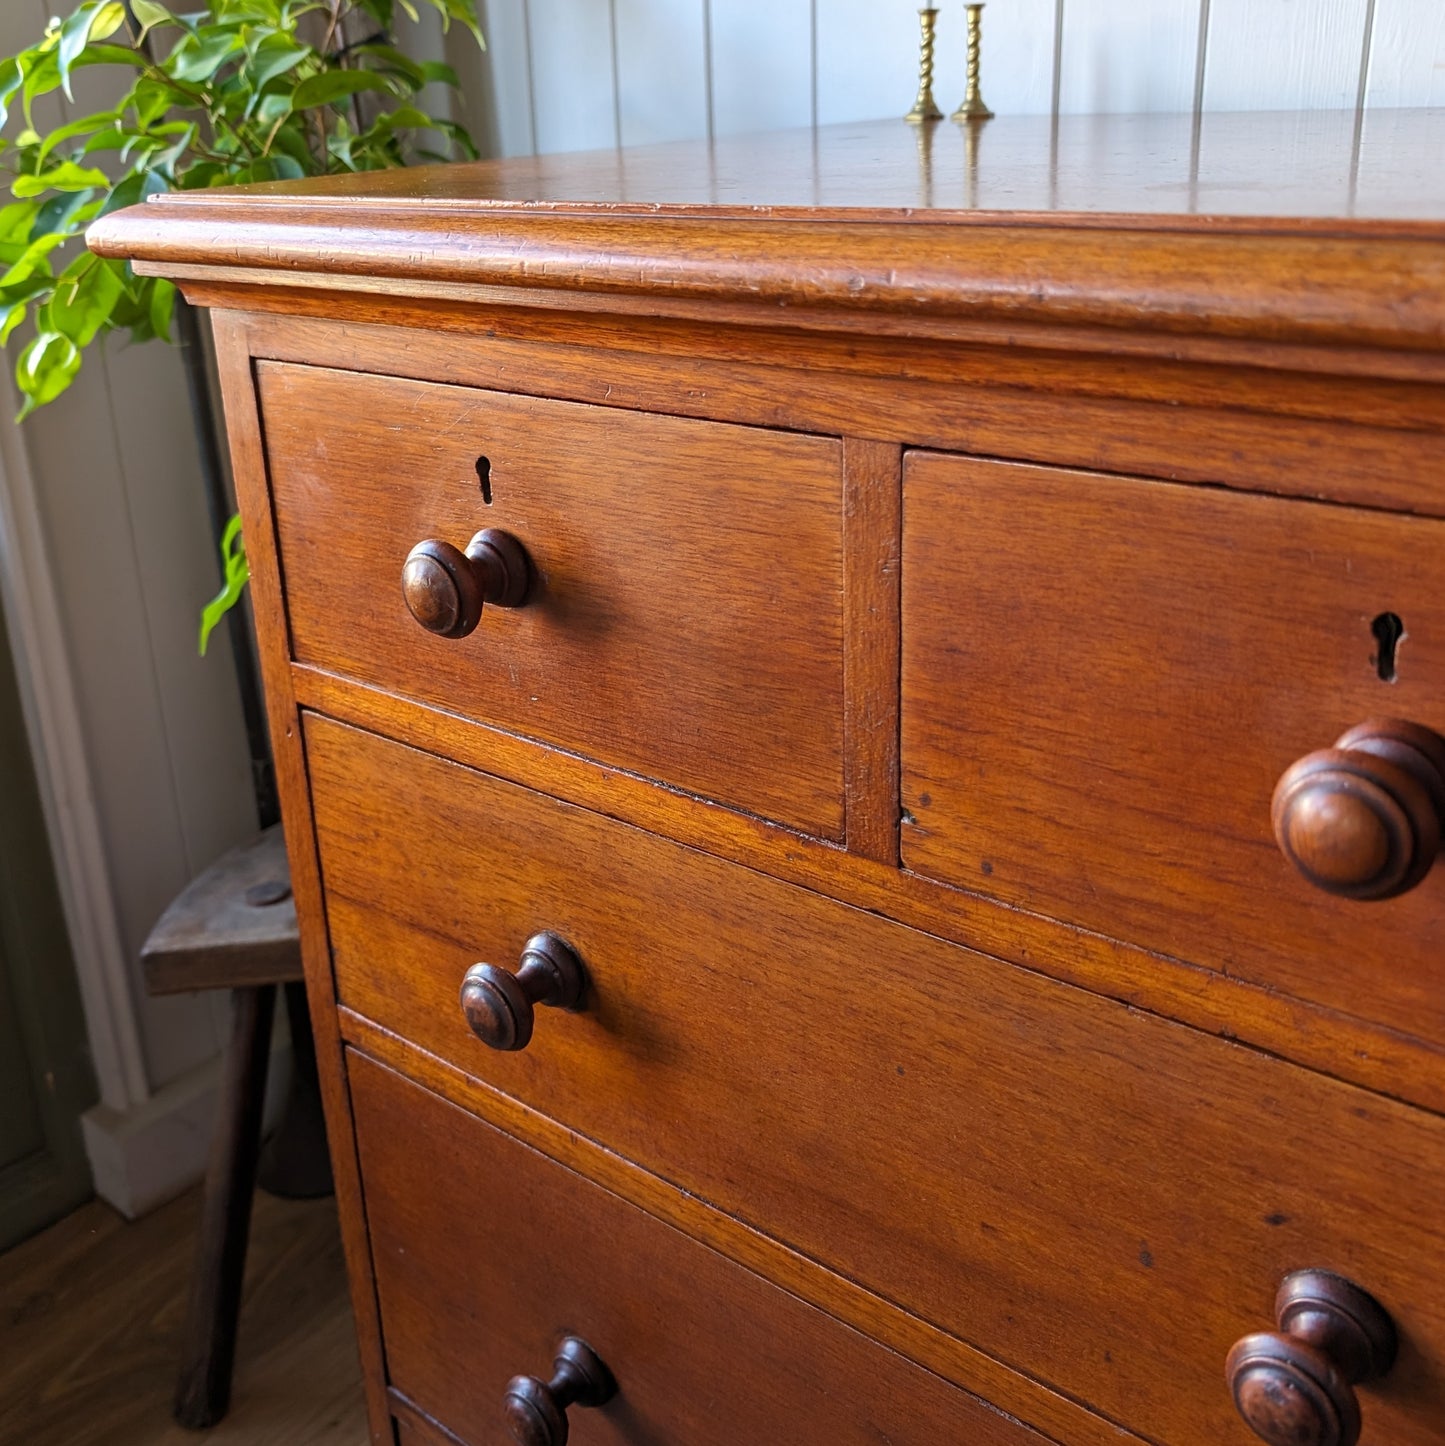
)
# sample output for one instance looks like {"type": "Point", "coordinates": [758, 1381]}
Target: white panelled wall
{"type": "Point", "coordinates": [104, 549]}
{"type": "Point", "coordinates": [105, 559]}
{"type": "Point", "coordinates": [582, 74]}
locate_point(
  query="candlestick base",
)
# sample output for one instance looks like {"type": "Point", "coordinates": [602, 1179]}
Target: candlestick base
{"type": "Point", "coordinates": [972, 109]}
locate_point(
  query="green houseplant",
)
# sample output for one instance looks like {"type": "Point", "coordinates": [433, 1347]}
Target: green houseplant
{"type": "Point", "coordinates": [232, 92]}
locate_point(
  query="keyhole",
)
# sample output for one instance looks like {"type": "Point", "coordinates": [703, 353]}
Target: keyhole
{"type": "Point", "coordinates": [1389, 633]}
{"type": "Point", "coordinates": [484, 476]}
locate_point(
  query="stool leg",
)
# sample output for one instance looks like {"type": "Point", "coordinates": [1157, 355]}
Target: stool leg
{"type": "Point", "coordinates": [204, 1389]}
{"type": "Point", "coordinates": [295, 1163]}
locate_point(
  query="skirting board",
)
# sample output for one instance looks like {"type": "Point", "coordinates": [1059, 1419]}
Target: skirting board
{"type": "Point", "coordinates": [144, 1156]}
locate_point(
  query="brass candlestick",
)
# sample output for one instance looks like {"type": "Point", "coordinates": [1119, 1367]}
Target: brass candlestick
{"type": "Point", "coordinates": [973, 108]}
{"type": "Point", "coordinates": [925, 108]}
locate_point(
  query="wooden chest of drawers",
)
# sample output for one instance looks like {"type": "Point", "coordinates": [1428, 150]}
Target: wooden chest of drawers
{"type": "Point", "coordinates": [862, 776]}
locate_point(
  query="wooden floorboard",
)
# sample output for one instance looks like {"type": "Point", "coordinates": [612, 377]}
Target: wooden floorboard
{"type": "Point", "coordinates": [90, 1313]}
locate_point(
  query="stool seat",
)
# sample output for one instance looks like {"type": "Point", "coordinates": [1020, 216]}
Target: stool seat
{"type": "Point", "coordinates": [232, 927]}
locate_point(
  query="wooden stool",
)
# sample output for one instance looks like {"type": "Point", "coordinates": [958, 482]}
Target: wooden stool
{"type": "Point", "coordinates": [234, 928]}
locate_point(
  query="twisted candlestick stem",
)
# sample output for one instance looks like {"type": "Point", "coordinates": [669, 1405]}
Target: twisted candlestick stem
{"type": "Point", "coordinates": [924, 107]}
{"type": "Point", "coordinates": [973, 107]}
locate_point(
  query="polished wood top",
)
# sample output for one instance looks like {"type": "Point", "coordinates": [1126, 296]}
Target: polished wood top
{"type": "Point", "coordinates": [1275, 166]}
{"type": "Point", "coordinates": [1150, 223]}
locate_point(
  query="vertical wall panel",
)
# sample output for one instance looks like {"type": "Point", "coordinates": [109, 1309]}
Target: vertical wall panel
{"type": "Point", "coordinates": [762, 64]}
{"type": "Point", "coordinates": [867, 59]}
{"type": "Point", "coordinates": [1125, 59]}
{"type": "Point", "coordinates": [572, 74]}
{"type": "Point", "coordinates": [1284, 54]}
{"type": "Point", "coordinates": [1407, 62]}
{"type": "Point", "coordinates": [661, 70]}
{"type": "Point", "coordinates": [495, 102]}
{"type": "Point", "coordinates": [1018, 56]}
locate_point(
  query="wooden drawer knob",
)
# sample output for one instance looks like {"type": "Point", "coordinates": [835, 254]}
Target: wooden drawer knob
{"type": "Point", "coordinates": [537, 1410]}
{"type": "Point", "coordinates": [1294, 1387]}
{"type": "Point", "coordinates": [498, 1005]}
{"type": "Point", "coordinates": [446, 588]}
{"type": "Point", "coordinates": [1363, 819]}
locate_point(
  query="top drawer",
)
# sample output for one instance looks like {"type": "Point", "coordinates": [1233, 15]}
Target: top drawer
{"type": "Point", "coordinates": [1103, 682]}
{"type": "Point", "coordinates": [685, 614]}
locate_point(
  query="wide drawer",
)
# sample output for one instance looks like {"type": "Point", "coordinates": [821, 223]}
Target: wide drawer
{"type": "Point", "coordinates": [1101, 1199]}
{"type": "Point", "coordinates": [1103, 682]}
{"type": "Point", "coordinates": [685, 616]}
{"type": "Point", "coordinates": [487, 1255]}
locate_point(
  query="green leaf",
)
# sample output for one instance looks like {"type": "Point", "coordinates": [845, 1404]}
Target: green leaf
{"type": "Point", "coordinates": [67, 176]}
{"type": "Point", "coordinates": [11, 78]}
{"type": "Point", "coordinates": [275, 56]}
{"type": "Point", "coordinates": [270, 168]}
{"type": "Point", "coordinates": [17, 219]}
{"type": "Point", "coordinates": [394, 61]}
{"type": "Point", "coordinates": [85, 296]}
{"type": "Point", "coordinates": [59, 213]}
{"type": "Point", "coordinates": [151, 97]}
{"type": "Point", "coordinates": [463, 10]}
{"type": "Point", "coordinates": [96, 54]}
{"type": "Point", "coordinates": [75, 128]}
{"type": "Point", "coordinates": [162, 305]}
{"type": "Point", "coordinates": [334, 85]}
{"type": "Point", "coordinates": [435, 72]}
{"type": "Point", "coordinates": [32, 259]}
{"type": "Point", "coordinates": [96, 19]}
{"type": "Point", "coordinates": [134, 189]}
{"type": "Point", "coordinates": [236, 572]}
{"type": "Point", "coordinates": [46, 367]}
{"type": "Point", "coordinates": [460, 137]}
{"type": "Point", "coordinates": [12, 317]}
{"type": "Point", "coordinates": [199, 56]}
{"type": "Point", "coordinates": [42, 75]}
{"type": "Point", "coordinates": [148, 14]}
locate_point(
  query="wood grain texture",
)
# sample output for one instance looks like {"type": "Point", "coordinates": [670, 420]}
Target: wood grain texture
{"type": "Point", "coordinates": [703, 1352]}
{"type": "Point", "coordinates": [1308, 436]}
{"type": "Point", "coordinates": [1197, 1173]}
{"type": "Point", "coordinates": [1397, 1065]}
{"type": "Point", "coordinates": [1149, 661]}
{"type": "Point", "coordinates": [92, 1321]}
{"type": "Point", "coordinates": [686, 224]}
{"type": "Point", "coordinates": [872, 483]}
{"type": "Point", "coordinates": [1070, 1204]}
{"type": "Point", "coordinates": [700, 563]}
{"type": "Point", "coordinates": [248, 468]}
{"type": "Point", "coordinates": [1060, 1418]}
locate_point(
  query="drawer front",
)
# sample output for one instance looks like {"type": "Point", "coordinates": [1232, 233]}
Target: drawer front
{"type": "Point", "coordinates": [1098, 1198]}
{"type": "Point", "coordinates": [1103, 681]}
{"type": "Point", "coordinates": [487, 1254]}
{"type": "Point", "coordinates": [685, 615]}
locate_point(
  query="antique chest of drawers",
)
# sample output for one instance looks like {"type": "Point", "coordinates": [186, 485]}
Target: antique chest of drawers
{"type": "Point", "coordinates": [860, 725]}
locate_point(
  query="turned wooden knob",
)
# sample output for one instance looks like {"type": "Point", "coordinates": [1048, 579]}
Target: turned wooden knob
{"type": "Point", "coordinates": [1295, 1387]}
{"type": "Point", "coordinates": [498, 1005]}
{"type": "Point", "coordinates": [536, 1410]}
{"type": "Point", "coordinates": [1363, 819]}
{"type": "Point", "coordinates": [445, 588]}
